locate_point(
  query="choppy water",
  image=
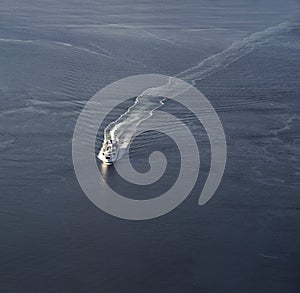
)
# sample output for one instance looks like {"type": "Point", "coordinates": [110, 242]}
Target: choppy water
{"type": "Point", "coordinates": [124, 127]}
{"type": "Point", "coordinates": [55, 55]}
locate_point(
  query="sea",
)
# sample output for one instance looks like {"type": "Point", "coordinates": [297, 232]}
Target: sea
{"type": "Point", "coordinates": [244, 56]}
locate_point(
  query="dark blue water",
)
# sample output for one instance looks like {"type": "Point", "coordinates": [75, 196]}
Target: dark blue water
{"type": "Point", "coordinates": [55, 55]}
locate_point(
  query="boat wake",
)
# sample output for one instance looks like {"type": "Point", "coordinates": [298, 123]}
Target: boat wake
{"type": "Point", "coordinates": [123, 128]}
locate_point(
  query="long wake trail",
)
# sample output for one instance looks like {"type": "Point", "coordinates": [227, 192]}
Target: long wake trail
{"type": "Point", "coordinates": [151, 99]}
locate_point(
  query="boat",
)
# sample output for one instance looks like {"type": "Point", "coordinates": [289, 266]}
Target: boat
{"type": "Point", "coordinates": [108, 152]}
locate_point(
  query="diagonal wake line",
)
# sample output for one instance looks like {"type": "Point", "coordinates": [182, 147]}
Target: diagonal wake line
{"type": "Point", "coordinates": [147, 102]}
{"type": "Point", "coordinates": [233, 53]}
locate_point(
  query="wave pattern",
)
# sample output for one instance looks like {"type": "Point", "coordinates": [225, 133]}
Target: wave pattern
{"type": "Point", "coordinates": [151, 99]}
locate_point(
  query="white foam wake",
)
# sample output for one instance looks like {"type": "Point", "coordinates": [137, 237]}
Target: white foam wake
{"type": "Point", "coordinates": [236, 51]}
{"type": "Point", "coordinates": [147, 102]}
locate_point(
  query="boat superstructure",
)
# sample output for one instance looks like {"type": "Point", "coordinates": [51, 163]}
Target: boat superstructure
{"type": "Point", "coordinates": [109, 152]}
